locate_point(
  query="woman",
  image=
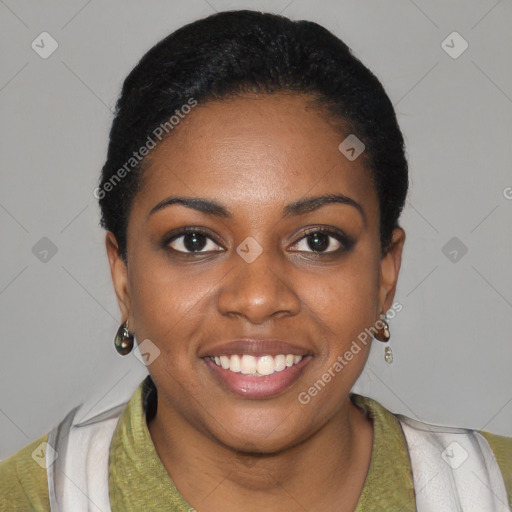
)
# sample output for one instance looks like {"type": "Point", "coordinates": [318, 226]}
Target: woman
{"type": "Point", "coordinates": [251, 195]}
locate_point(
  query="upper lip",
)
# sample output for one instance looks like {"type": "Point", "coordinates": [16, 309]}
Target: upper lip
{"type": "Point", "coordinates": [254, 347]}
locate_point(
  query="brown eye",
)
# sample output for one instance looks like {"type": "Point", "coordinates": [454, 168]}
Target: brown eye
{"type": "Point", "coordinates": [192, 241]}
{"type": "Point", "coordinates": [324, 241]}
{"type": "Point", "coordinates": [318, 242]}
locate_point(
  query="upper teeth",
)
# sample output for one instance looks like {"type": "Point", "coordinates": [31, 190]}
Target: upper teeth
{"type": "Point", "coordinates": [257, 366]}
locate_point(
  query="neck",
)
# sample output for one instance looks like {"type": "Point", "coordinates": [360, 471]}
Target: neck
{"type": "Point", "coordinates": [326, 470]}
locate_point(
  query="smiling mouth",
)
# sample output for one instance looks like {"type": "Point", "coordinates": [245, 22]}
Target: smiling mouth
{"type": "Point", "coordinates": [253, 366]}
{"type": "Point", "coordinates": [257, 376]}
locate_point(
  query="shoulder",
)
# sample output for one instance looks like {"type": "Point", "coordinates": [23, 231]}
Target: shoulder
{"type": "Point", "coordinates": [23, 483]}
{"type": "Point", "coordinates": [502, 448]}
{"type": "Point", "coordinates": [420, 436]}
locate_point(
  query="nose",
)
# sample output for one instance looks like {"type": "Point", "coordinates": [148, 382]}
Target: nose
{"type": "Point", "coordinates": [259, 290]}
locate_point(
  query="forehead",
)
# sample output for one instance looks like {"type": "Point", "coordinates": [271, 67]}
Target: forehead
{"type": "Point", "coordinates": [255, 150]}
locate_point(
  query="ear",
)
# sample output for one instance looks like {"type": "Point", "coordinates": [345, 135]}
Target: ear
{"type": "Point", "coordinates": [389, 269]}
{"type": "Point", "coordinates": [119, 274]}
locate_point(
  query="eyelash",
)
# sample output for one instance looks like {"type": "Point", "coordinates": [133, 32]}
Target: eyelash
{"type": "Point", "coordinates": [346, 242]}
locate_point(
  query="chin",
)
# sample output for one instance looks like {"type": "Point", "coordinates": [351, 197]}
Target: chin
{"type": "Point", "coordinates": [262, 430]}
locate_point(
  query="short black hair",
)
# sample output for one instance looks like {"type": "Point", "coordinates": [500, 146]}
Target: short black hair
{"type": "Point", "coordinates": [235, 52]}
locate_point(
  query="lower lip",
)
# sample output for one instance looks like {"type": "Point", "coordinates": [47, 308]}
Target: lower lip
{"type": "Point", "coordinates": [250, 386]}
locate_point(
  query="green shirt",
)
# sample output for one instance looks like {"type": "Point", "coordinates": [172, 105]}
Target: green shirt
{"type": "Point", "coordinates": [138, 480]}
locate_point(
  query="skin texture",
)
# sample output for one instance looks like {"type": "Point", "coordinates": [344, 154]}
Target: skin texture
{"type": "Point", "coordinates": [255, 154]}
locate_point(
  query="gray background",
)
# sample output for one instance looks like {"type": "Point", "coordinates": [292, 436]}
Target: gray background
{"type": "Point", "coordinates": [452, 340]}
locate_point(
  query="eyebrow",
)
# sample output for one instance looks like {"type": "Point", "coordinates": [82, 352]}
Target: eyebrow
{"type": "Point", "coordinates": [300, 207]}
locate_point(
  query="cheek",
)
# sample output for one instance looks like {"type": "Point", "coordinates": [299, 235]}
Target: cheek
{"type": "Point", "coordinates": [165, 299]}
{"type": "Point", "coordinates": [346, 299]}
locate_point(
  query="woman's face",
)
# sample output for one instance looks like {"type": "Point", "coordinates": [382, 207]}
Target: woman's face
{"type": "Point", "coordinates": [258, 274]}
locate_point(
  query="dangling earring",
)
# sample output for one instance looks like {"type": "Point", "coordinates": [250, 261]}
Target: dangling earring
{"type": "Point", "coordinates": [383, 334]}
{"type": "Point", "coordinates": [124, 340]}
